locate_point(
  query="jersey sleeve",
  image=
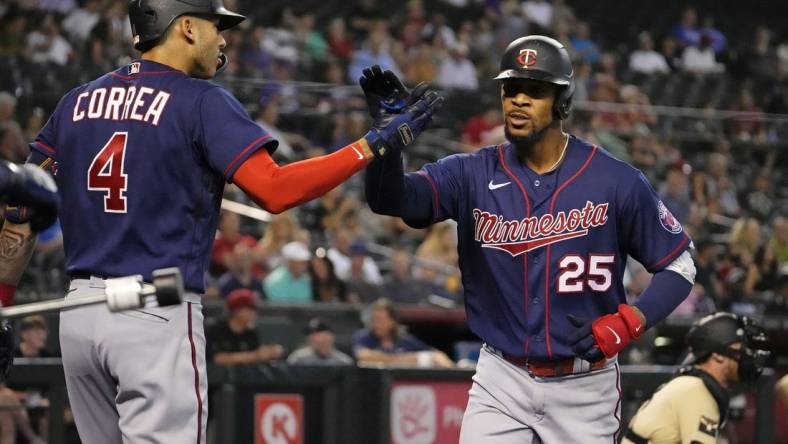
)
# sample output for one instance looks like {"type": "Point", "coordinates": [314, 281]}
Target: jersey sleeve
{"type": "Point", "coordinates": [650, 232]}
{"type": "Point", "coordinates": [45, 142]}
{"type": "Point", "coordinates": [226, 133]}
{"type": "Point", "coordinates": [445, 180]}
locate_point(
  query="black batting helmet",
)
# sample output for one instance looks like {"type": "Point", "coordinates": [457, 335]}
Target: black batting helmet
{"type": "Point", "coordinates": [716, 333]}
{"type": "Point", "coordinates": [542, 58]}
{"type": "Point", "coordinates": [151, 18]}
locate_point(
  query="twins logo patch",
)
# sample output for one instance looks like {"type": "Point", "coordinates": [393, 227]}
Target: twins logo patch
{"type": "Point", "coordinates": [667, 220]}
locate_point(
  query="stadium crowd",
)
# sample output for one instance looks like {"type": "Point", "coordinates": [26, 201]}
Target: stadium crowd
{"type": "Point", "coordinates": [712, 140]}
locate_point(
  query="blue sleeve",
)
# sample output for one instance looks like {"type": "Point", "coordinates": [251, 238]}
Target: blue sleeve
{"type": "Point", "coordinates": [648, 230]}
{"type": "Point", "coordinates": [226, 133]}
{"type": "Point", "coordinates": [445, 178]}
{"type": "Point", "coordinates": [45, 142]}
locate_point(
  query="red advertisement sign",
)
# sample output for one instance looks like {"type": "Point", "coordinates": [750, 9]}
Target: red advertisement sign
{"type": "Point", "coordinates": [278, 419]}
{"type": "Point", "coordinates": [426, 412]}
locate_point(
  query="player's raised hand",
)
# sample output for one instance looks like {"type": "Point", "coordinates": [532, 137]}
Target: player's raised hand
{"type": "Point", "coordinates": [31, 194]}
{"type": "Point", "coordinates": [385, 92]}
{"type": "Point", "coordinates": [395, 131]}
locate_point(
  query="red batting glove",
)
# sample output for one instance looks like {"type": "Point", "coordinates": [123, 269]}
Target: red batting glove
{"type": "Point", "coordinates": [614, 331]}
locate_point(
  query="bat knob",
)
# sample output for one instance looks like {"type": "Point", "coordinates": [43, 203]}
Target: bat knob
{"type": "Point", "coordinates": [169, 286]}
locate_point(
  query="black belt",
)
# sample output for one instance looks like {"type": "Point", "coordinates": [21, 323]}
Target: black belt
{"type": "Point", "coordinates": [634, 437]}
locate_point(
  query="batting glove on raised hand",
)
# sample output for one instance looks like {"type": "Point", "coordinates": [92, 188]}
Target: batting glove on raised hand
{"type": "Point", "coordinates": [606, 336]}
{"type": "Point", "coordinates": [385, 92]}
{"type": "Point", "coordinates": [7, 346]}
{"type": "Point", "coordinates": [31, 195]}
{"type": "Point", "coordinates": [393, 132]}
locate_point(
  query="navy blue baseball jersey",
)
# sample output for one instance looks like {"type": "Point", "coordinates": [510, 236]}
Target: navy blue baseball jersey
{"type": "Point", "coordinates": [142, 156]}
{"type": "Point", "coordinates": [536, 247]}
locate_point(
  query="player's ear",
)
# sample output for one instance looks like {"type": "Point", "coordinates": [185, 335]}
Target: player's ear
{"type": "Point", "coordinates": [187, 27]}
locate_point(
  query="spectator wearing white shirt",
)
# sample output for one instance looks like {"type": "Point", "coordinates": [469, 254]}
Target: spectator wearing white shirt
{"type": "Point", "coordinates": [456, 71]}
{"type": "Point", "coordinates": [339, 255]}
{"type": "Point", "coordinates": [47, 45]}
{"type": "Point", "coordinates": [539, 12]}
{"type": "Point", "coordinates": [645, 59]}
{"type": "Point", "coordinates": [81, 21]}
{"type": "Point", "coordinates": [701, 59]}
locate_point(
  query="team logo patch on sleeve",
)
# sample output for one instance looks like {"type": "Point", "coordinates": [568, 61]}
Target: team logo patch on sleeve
{"type": "Point", "coordinates": [667, 220]}
{"type": "Point", "coordinates": [708, 426]}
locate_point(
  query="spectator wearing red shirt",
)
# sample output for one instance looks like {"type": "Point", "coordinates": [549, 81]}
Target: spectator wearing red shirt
{"type": "Point", "coordinates": [227, 237]}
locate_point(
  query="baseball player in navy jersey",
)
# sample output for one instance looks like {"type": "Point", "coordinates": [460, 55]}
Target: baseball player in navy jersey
{"type": "Point", "coordinates": [142, 155]}
{"type": "Point", "coordinates": [545, 223]}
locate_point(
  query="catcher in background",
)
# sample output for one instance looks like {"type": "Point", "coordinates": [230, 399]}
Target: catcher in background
{"type": "Point", "coordinates": [725, 350]}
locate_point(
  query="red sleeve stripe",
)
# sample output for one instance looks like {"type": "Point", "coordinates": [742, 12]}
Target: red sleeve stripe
{"type": "Point", "coordinates": [121, 76]}
{"type": "Point", "coordinates": [670, 255]}
{"type": "Point", "coordinates": [435, 195]}
{"type": "Point", "coordinates": [45, 147]}
{"type": "Point", "coordinates": [257, 142]}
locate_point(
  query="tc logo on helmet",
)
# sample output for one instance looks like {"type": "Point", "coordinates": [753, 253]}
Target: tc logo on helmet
{"type": "Point", "coordinates": [527, 57]}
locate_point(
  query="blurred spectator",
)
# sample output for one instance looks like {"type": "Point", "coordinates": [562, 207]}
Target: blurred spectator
{"type": "Point", "coordinates": [744, 239]}
{"type": "Point", "coordinates": [761, 59]}
{"type": "Point", "coordinates": [400, 286]}
{"type": "Point", "coordinates": [360, 287]}
{"type": "Point", "coordinates": [700, 59]}
{"type": "Point", "coordinates": [7, 107]}
{"type": "Point", "coordinates": [338, 40]}
{"type": "Point", "coordinates": [686, 32]}
{"type": "Point", "coordinates": [706, 255]}
{"type": "Point", "coordinates": [385, 341]}
{"type": "Point", "coordinates": [79, 22]}
{"type": "Point", "coordinates": [477, 128]}
{"type": "Point", "coordinates": [290, 281]}
{"type": "Point", "coordinates": [675, 193]}
{"type": "Point", "coordinates": [584, 48]}
{"type": "Point", "coordinates": [234, 340]}
{"type": "Point", "coordinates": [456, 71]}
{"type": "Point", "coordinates": [645, 59]}
{"type": "Point", "coordinates": [720, 187]}
{"type": "Point", "coordinates": [364, 16]}
{"type": "Point", "coordinates": [339, 254]}
{"type": "Point", "coordinates": [422, 63]}
{"type": "Point", "coordinates": [268, 118]}
{"type": "Point", "coordinates": [374, 52]}
{"type": "Point", "coordinates": [13, 145]}
{"type": "Point", "coordinates": [240, 273]}
{"type": "Point", "coordinates": [760, 200]}
{"type": "Point", "coordinates": [779, 239]}
{"type": "Point", "coordinates": [563, 14]}
{"type": "Point", "coordinates": [12, 34]}
{"type": "Point", "coordinates": [438, 31]}
{"type": "Point", "coordinates": [748, 127]}
{"type": "Point", "coordinates": [715, 36]}
{"type": "Point", "coordinates": [32, 338]}
{"type": "Point", "coordinates": [669, 49]}
{"type": "Point", "coordinates": [539, 12]}
{"type": "Point", "coordinates": [319, 349]}
{"type": "Point", "coordinates": [310, 41]}
{"type": "Point", "coordinates": [326, 286]}
{"type": "Point", "coordinates": [14, 419]}
{"type": "Point", "coordinates": [440, 248]}
{"type": "Point", "coordinates": [46, 45]}
{"type": "Point", "coordinates": [227, 237]}
{"type": "Point", "coordinates": [282, 228]}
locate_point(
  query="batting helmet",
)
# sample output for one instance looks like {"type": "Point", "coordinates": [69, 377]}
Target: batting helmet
{"type": "Point", "coordinates": [541, 58]}
{"type": "Point", "coordinates": [151, 18]}
{"type": "Point", "coordinates": [716, 332]}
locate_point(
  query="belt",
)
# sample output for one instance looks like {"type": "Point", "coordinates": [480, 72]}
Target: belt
{"type": "Point", "coordinates": [78, 274]}
{"type": "Point", "coordinates": [547, 369]}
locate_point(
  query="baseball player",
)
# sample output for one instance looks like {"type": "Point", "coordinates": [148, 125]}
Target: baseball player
{"type": "Point", "coordinates": [29, 189]}
{"type": "Point", "coordinates": [725, 349]}
{"type": "Point", "coordinates": [545, 223]}
{"type": "Point", "coordinates": [142, 156]}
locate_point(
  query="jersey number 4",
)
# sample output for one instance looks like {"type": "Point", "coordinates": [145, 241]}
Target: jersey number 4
{"type": "Point", "coordinates": [106, 173]}
{"type": "Point", "coordinates": [573, 276]}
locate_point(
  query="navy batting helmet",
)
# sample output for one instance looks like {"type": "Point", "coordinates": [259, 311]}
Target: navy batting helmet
{"type": "Point", "coordinates": [151, 18]}
{"type": "Point", "coordinates": [541, 58]}
{"type": "Point", "coordinates": [716, 333]}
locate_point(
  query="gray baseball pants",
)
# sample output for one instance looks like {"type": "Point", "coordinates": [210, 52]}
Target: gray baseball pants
{"type": "Point", "coordinates": [137, 376]}
{"type": "Point", "coordinates": [507, 405]}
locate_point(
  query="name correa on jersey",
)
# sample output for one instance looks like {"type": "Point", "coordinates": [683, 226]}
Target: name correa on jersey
{"type": "Point", "coordinates": [143, 154]}
{"type": "Point", "coordinates": [519, 236]}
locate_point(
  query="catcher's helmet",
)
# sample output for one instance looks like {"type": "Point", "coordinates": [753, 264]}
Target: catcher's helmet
{"type": "Point", "coordinates": [541, 58]}
{"type": "Point", "coordinates": [716, 332]}
{"type": "Point", "coordinates": [151, 18]}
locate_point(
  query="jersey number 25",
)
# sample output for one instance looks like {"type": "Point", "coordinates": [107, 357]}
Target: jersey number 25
{"type": "Point", "coordinates": [573, 275]}
{"type": "Point", "coordinates": [106, 173]}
